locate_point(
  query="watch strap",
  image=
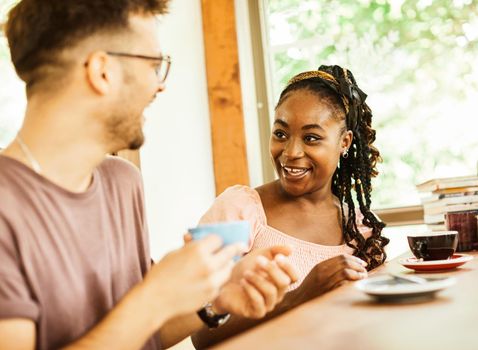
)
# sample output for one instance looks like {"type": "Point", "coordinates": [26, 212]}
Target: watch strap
{"type": "Point", "coordinates": [210, 318]}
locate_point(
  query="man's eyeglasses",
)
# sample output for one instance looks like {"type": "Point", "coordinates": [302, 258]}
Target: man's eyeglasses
{"type": "Point", "coordinates": [162, 69]}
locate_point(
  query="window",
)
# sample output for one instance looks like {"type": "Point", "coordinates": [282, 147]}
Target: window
{"type": "Point", "coordinates": [12, 89]}
{"type": "Point", "coordinates": [417, 62]}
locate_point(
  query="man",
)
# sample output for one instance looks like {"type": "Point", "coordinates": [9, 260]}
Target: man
{"type": "Point", "coordinates": [75, 270]}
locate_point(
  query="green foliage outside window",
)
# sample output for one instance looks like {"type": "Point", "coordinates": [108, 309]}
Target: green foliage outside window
{"type": "Point", "coordinates": [417, 61]}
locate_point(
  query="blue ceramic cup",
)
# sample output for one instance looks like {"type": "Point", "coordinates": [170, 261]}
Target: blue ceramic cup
{"type": "Point", "coordinates": [230, 232]}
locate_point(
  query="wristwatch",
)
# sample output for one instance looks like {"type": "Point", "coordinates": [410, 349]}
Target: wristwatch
{"type": "Point", "coordinates": [210, 318]}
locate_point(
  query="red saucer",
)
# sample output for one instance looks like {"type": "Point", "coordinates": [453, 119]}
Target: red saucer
{"type": "Point", "coordinates": [436, 265]}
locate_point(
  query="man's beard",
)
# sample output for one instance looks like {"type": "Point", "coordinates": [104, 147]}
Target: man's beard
{"type": "Point", "coordinates": [136, 142]}
{"type": "Point", "coordinates": [124, 132]}
{"type": "Point", "coordinates": [125, 126]}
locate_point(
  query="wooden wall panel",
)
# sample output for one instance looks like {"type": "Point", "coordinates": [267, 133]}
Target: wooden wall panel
{"type": "Point", "coordinates": [224, 90]}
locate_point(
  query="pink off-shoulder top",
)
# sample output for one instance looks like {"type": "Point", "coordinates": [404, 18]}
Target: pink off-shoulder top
{"type": "Point", "coordinates": [244, 203]}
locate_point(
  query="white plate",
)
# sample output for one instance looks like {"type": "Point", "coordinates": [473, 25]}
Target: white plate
{"type": "Point", "coordinates": [386, 287]}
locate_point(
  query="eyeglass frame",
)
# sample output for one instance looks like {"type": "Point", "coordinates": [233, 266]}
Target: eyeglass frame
{"type": "Point", "coordinates": [160, 58]}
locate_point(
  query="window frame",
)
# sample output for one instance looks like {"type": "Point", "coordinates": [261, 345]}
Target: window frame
{"type": "Point", "coordinates": [395, 216]}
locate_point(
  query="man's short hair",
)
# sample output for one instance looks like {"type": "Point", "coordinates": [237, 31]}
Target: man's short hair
{"type": "Point", "coordinates": [37, 30]}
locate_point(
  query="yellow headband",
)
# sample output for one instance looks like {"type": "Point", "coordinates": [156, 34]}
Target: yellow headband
{"type": "Point", "coordinates": [321, 75]}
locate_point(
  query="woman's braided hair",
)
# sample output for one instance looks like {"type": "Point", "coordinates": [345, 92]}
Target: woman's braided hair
{"type": "Point", "coordinates": [337, 86]}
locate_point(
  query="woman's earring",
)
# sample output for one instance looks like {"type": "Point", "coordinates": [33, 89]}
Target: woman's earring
{"type": "Point", "coordinates": [345, 154]}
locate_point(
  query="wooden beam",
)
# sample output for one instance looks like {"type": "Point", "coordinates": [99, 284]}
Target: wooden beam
{"type": "Point", "coordinates": [224, 90]}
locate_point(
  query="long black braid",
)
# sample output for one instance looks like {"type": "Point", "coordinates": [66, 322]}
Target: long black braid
{"type": "Point", "coordinates": [337, 87]}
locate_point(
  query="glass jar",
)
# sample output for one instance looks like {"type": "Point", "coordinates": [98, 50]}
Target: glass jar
{"type": "Point", "coordinates": [466, 223]}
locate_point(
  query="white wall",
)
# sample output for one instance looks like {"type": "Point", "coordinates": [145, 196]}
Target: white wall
{"type": "Point", "coordinates": [176, 159]}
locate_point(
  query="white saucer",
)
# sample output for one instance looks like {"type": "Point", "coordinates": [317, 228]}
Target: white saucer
{"type": "Point", "coordinates": [435, 265]}
{"type": "Point", "coordinates": [385, 287]}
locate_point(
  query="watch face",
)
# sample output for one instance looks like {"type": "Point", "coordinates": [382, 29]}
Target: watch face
{"type": "Point", "coordinates": [224, 318]}
{"type": "Point", "coordinates": [210, 318]}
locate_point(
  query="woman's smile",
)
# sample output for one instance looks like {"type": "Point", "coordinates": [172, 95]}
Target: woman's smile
{"type": "Point", "coordinates": [292, 173]}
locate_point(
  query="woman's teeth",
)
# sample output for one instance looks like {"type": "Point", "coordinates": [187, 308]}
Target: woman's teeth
{"type": "Point", "coordinates": [295, 171]}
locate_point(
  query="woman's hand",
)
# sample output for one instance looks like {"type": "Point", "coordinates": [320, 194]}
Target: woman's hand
{"type": "Point", "coordinates": [330, 274]}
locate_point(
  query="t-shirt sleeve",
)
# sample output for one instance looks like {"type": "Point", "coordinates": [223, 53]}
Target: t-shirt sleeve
{"type": "Point", "coordinates": [15, 297]}
{"type": "Point", "coordinates": [236, 203]}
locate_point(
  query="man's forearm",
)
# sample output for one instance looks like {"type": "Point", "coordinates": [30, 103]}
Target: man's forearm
{"type": "Point", "coordinates": [178, 328]}
{"type": "Point", "coordinates": [128, 326]}
{"type": "Point", "coordinates": [206, 337]}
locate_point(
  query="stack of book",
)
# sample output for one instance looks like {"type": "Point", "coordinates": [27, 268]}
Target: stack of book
{"type": "Point", "coordinates": [440, 196]}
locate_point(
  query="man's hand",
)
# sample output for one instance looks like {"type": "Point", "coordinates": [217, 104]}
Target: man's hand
{"type": "Point", "coordinates": [185, 279]}
{"type": "Point", "coordinates": [258, 283]}
{"type": "Point", "coordinates": [330, 274]}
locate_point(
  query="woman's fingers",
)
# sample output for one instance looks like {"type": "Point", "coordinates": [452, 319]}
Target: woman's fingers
{"type": "Point", "coordinates": [355, 266]}
{"type": "Point", "coordinates": [350, 261]}
{"type": "Point", "coordinates": [354, 275]}
{"type": "Point", "coordinates": [336, 271]}
{"type": "Point", "coordinates": [359, 261]}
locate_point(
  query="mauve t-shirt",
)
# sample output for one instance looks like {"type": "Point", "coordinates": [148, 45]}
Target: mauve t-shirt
{"type": "Point", "coordinates": [66, 259]}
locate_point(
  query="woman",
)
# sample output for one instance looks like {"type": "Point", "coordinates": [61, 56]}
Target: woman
{"type": "Point", "coordinates": [321, 147]}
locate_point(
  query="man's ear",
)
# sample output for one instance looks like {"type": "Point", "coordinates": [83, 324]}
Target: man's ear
{"type": "Point", "coordinates": [99, 72]}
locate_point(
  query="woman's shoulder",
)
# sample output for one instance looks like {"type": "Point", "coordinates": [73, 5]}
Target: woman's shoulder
{"type": "Point", "coordinates": [239, 195]}
{"type": "Point", "coordinates": [237, 202]}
